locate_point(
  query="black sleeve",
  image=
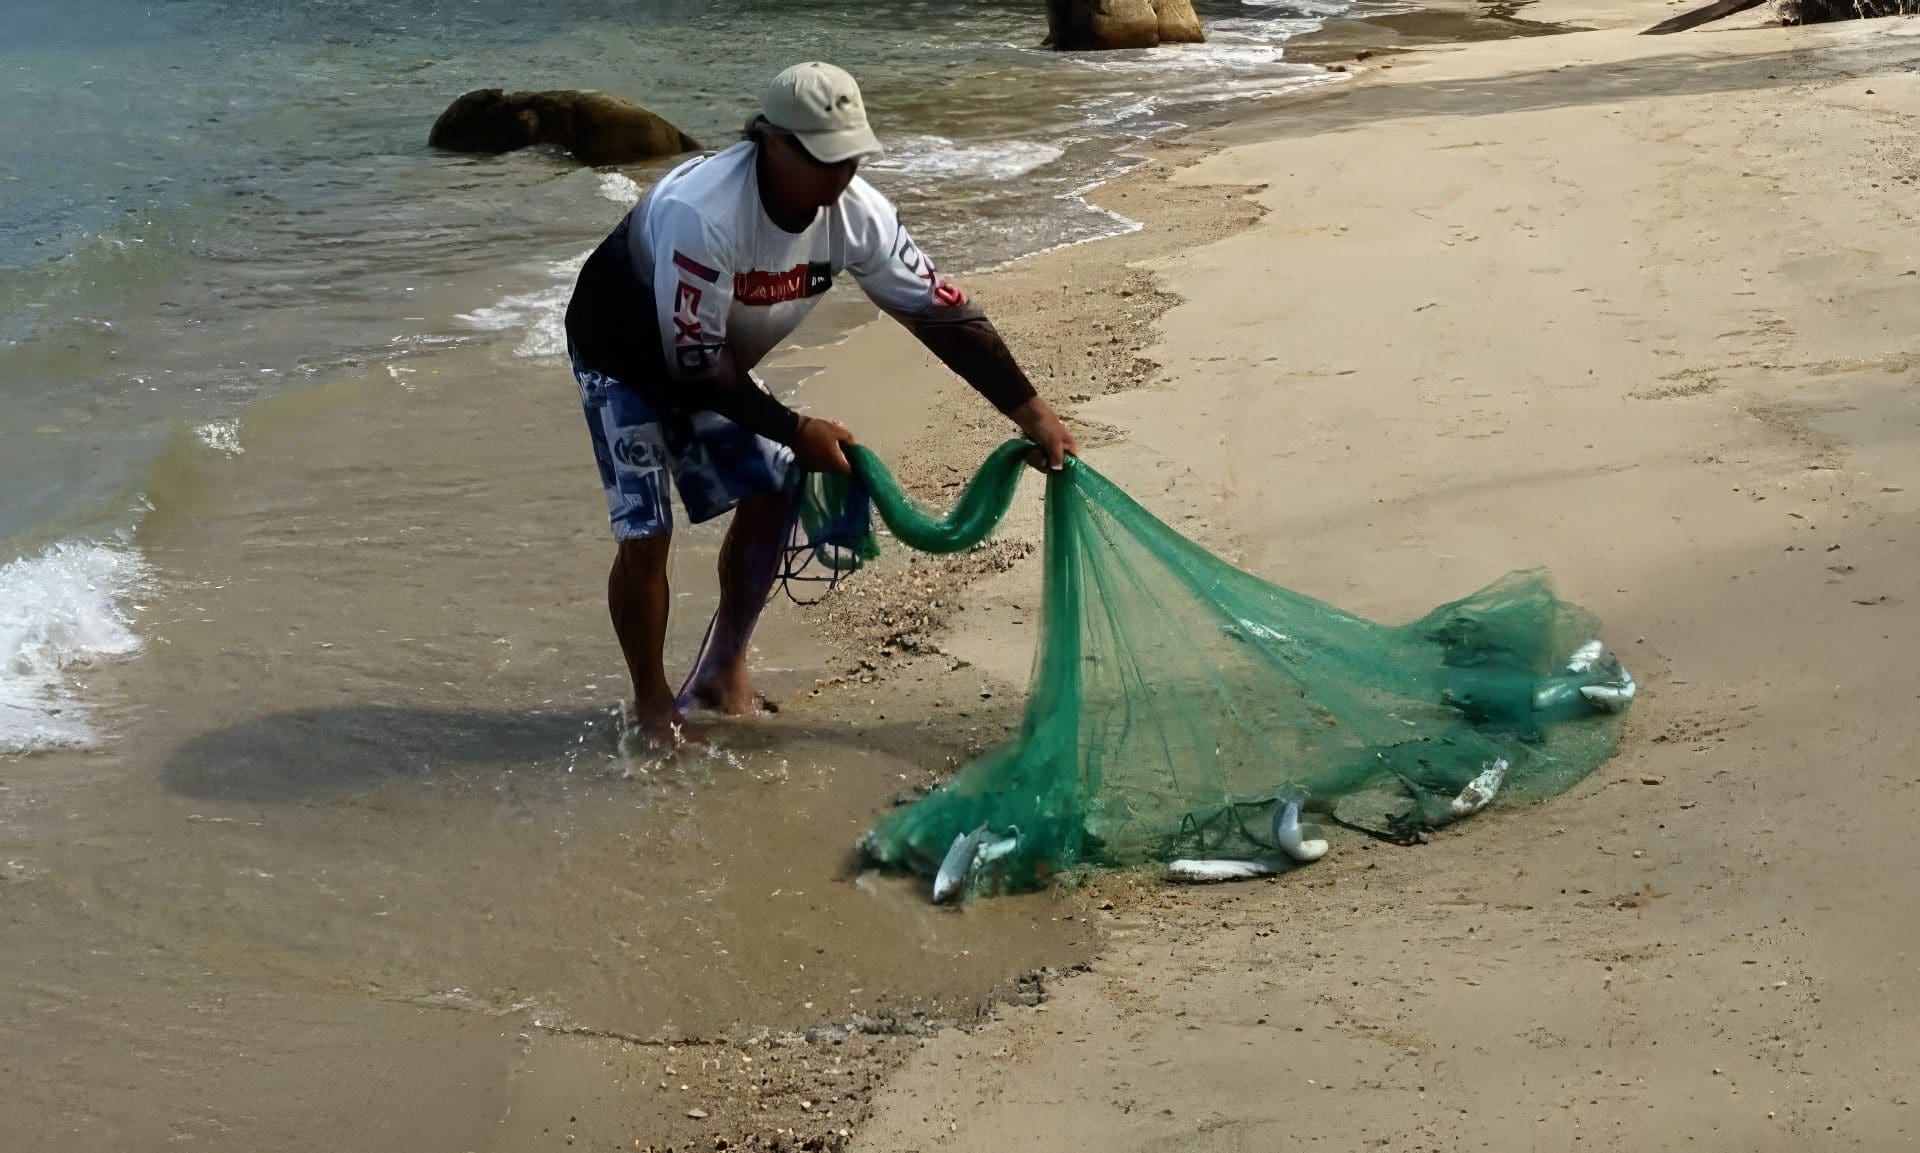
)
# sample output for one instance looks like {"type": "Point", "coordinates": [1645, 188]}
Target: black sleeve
{"type": "Point", "coordinates": [966, 342]}
{"type": "Point", "coordinates": [737, 398]}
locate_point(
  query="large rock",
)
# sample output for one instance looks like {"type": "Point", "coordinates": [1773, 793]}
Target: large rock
{"type": "Point", "coordinates": [1079, 25]}
{"type": "Point", "coordinates": [1179, 24]}
{"type": "Point", "coordinates": [596, 127]}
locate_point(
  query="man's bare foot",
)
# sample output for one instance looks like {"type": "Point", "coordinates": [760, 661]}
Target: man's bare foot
{"type": "Point", "coordinates": [657, 730]}
{"type": "Point", "coordinates": [733, 695]}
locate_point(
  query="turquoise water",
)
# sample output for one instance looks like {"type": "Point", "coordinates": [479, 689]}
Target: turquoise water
{"type": "Point", "coordinates": [203, 202]}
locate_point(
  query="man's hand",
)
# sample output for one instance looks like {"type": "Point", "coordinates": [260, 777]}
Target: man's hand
{"type": "Point", "coordinates": [1037, 420]}
{"type": "Point", "coordinates": [817, 447]}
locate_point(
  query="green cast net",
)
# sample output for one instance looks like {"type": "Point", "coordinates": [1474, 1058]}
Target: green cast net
{"type": "Point", "coordinates": [1174, 698]}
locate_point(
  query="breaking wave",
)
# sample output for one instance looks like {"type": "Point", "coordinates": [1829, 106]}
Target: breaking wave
{"type": "Point", "coordinates": [61, 612]}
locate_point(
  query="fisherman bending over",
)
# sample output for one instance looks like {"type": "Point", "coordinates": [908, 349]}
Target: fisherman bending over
{"type": "Point", "coordinates": [710, 271]}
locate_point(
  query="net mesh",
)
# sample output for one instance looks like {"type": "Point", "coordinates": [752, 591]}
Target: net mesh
{"type": "Point", "coordinates": [1175, 698]}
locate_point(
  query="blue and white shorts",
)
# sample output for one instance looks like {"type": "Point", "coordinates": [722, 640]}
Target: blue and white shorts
{"type": "Point", "coordinates": [715, 463]}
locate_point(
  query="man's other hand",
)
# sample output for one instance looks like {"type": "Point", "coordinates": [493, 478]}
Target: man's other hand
{"type": "Point", "coordinates": [817, 447]}
{"type": "Point", "coordinates": [1042, 426]}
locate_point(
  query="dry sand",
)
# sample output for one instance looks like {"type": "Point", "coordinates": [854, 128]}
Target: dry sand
{"type": "Point", "coordinates": [1639, 309]}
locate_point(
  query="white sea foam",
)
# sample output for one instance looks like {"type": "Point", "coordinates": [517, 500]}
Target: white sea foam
{"type": "Point", "coordinates": [61, 611]}
{"type": "Point", "coordinates": [1271, 33]}
{"type": "Point", "coordinates": [1121, 226]}
{"type": "Point", "coordinates": [1244, 57]}
{"type": "Point", "coordinates": [1303, 7]}
{"type": "Point", "coordinates": [941, 157]}
{"type": "Point", "coordinates": [619, 188]}
{"type": "Point", "coordinates": [221, 436]}
{"type": "Point", "coordinates": [540, 316]}
{"type": "Point", "coordinates": [1123, 108]}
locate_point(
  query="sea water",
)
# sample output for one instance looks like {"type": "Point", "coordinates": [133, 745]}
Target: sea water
{"type": "Point", "coordinates": [205, 202]}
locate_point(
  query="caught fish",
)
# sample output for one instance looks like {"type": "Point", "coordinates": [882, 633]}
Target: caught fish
{"type": "Point", "coordinates": [969, 850]}
{"type": "Point", "coordinates": [1614, 697]}
{"type": "Point", "coordinates": [1610, 698]}
{"type": "Point", "coordinates": [1478, 793]}
{"type": "Point", "coordinates": [1554, 692]}
{"type": "Point", "coordinates": [994, 848]}
{"type": "Point", "coordinates": [1585, 657]}
{"type": "Point", "coordinates": [1301, 842]}
{"type": "Point", "coordinates": [1203, 872]}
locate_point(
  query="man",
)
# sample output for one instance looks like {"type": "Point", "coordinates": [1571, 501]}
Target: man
{"type": "Point", "coordinates": [709, 272]}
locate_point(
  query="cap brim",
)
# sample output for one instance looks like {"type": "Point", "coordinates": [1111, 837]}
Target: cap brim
{"type": "Point", "coordinates": [843, 144]}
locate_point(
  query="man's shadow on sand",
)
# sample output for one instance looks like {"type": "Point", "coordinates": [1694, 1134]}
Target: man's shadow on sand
{"type": "Point", "coordinates": [329, 751]}
{"type": "Point", "coordinates": [320, 751]}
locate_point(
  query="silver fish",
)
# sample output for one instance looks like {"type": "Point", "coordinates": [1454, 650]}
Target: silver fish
{"type": "Point", "coordinates": [1614, 697]}
{"type": "Point", "coordinates": [1585, 657]}
{"type": "Point", "coordinates": [1478, 793]}
{"type": "Point", "coordinates": [994, 848]}
{"type": "Point", "coordinates": [1301, 842]}
{"type": "Point", "coordinates": [1553, 692]}
{"type": "Point", "coordinates": [969, 850]}
{"type": "Point", "coordinates": [1201, 872]}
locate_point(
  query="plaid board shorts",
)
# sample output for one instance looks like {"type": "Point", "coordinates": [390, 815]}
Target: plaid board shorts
{"type": "Point", "coordinates": [715, 463]}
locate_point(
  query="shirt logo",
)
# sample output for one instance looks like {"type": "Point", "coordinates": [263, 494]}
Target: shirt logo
{"type": "Point", "coordinates": [689, 264]}
{"type": "Point", "coordinates": [945, 294]}
{"type": "Point", "coordinates": [686, 314]}
{"type": "Point", "coordinates": [692, 351]}
{"type": "Point", "coordinates": [764, 288]}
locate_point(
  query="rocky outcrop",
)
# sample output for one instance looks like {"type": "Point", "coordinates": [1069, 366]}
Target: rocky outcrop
{"type": "Point", "coordinates": [1179, 24]}
{"type": "Point", "coordinates": [1082, 25]}
{"type": "Point", "coordinates": [595, 127]}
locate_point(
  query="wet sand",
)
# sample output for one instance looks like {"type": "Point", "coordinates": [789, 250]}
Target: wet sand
{"type": "Point", "coordinates": [368, 798]}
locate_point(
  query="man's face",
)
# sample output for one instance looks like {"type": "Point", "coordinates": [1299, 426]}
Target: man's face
{"type": "Point", "coordinates": [802, 180]}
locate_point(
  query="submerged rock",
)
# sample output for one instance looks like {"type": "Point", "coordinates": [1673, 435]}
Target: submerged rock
{"type": "Point", "coordinates": [597, 128]}
{"type": "Point", "coordinates": [1080, 25]}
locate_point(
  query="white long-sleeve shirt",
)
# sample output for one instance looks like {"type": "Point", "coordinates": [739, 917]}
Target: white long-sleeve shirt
{"type": "Point", "coordinates": [698, 268]}
{"type": "Point", "coordinates": [725, 276]}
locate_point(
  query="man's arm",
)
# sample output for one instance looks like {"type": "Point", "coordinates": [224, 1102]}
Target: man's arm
{"type": "Point", "coordinates": [816, 443]}
{"type": "Point", "coordinates": [902, 280]}
{"type": "Point", "coordinates": [724, 389]}
{"type": "Point", "coordinates": [692, 295]}
{"type": "Point", "coordinates": [966, 342]}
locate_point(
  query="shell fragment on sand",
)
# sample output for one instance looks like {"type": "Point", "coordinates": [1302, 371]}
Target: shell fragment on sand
{"type": "Point", "coordinates": [1206, 872]}
{"type": "Point", "coordinates": [1479, 792]}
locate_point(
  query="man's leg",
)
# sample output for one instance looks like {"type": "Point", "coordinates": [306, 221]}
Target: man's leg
{"type": "Point", "coordinates": [630, 451]}
{"type": "Point", "coordinates": [637, 598]}
{"type": "Point", "coordinates": [749, 561]}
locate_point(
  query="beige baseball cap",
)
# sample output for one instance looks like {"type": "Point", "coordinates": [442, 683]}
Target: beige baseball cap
{"type": "Point", "coordinates": [821, 105]}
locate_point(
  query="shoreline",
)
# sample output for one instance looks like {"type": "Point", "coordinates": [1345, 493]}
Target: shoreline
{"type": "Point", "coordinates": [306, 656]}
{"type": "Point", "coordinates": [520, 315]}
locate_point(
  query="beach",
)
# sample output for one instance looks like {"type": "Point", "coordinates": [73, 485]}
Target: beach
{"type": "Point", "coordinates": [1639, 310]}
